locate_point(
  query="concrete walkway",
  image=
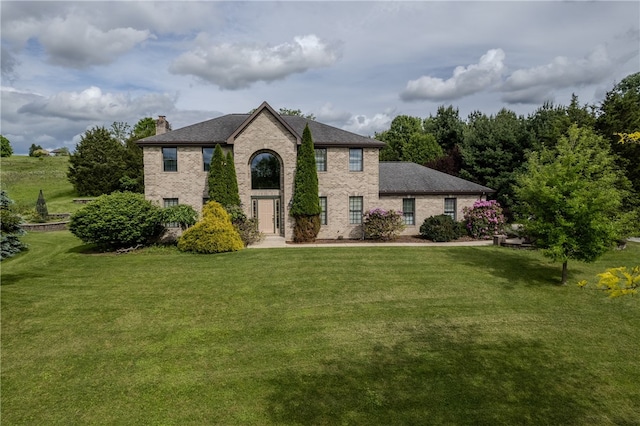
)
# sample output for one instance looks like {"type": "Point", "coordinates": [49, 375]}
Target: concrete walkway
{"type": "Point", "coordinates": [272, 241]}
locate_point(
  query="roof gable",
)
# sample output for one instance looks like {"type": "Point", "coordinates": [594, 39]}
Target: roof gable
{"type": "Point", "coordinates": [410, 178]}
{"type": "Point", "coordinates": [262, 108]}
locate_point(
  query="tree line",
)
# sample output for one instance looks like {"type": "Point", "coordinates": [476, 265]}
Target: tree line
{"type": "Point", "coordinates": [493, 149]}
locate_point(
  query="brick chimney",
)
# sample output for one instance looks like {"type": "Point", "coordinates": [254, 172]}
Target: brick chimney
{"type": "Point", "coordinates": [162, 125]}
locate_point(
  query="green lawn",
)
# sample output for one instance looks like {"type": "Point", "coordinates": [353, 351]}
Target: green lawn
{"type": "Point", "coordinates": [23, 177]}
{"type": "Point", "coordinates": [312, 336]}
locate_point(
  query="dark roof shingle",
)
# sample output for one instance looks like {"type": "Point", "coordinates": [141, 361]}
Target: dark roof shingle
{"type": "Point", "coordinates": [409, 178]}
{"type": "Point", "coordinates": [218, 130]}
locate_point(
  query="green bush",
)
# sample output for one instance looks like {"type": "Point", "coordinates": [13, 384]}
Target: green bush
{"type": "Point", "coordinates": [213, 234]}
{"type": "Point", "coordinates": [246, 227]}
{"type": "Point", "coordinates": [382, 224]}
{"type": "Point", "coordinates": [182, 214]}
{"type": "Point", "coordinates": [120, 219]}
{"type": "Point", "coordinates": [10, 229]}
{"type": "Point", "coordinates": [441, 228]}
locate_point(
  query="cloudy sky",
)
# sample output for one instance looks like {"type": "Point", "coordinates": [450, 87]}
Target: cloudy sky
{"type": "Point", "coordinates": [69, 66]}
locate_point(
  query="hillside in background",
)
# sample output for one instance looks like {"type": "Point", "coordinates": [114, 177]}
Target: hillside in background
{"type": "Point", "coordinates": [23, 177]}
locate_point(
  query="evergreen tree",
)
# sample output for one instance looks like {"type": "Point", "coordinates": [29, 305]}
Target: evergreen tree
{"type": "Point", "coordinates": [98, 163]}
{"type": "Point", "coordinates": [232, 181]}
{"type": "Point", "coordinates": [41, 207]}
{"type": "Point", "coordinates": [305, 206]}
{"type": "Point", "coordinates": [217, 178]}
{"type": "Point", "coordinates": [33, 148]}
{"type": "Point", "coordinates": [620, 113]}
{"type": "Point", "coordinates": [133, 179]}
{"type": "Point", "coordinates": [10, 229]}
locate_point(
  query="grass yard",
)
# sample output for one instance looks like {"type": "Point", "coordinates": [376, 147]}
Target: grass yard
{"type": "Point", "coordinates": [313, 336]}
{"type": "Point", "coordinates": [23, 177]}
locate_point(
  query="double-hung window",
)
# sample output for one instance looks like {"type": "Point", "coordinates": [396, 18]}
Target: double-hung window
{"type": "Point", "coordinates": [321, 159]}
{"type": "Point", "coordinates": [450, 207]}
{"type": "Point", "coordinates": [409, 211]}
{"type": "Point", "coordinates": [355, 160]}
{"type": "Point", "coordinates": [323, 210]}
{"type": "Point", "coordinates": [170, 159]}
{"type": "Point", "coordinates": [207, 155]}
{"type": "Point", "coordinates": [170, 202]}
{"type": "Point", "coordinates": [355, 210]}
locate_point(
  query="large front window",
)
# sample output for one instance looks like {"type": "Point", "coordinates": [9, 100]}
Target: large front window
{"type": "Point", "coordinates": [170, 159]}
{"type": "Point", "coordinates": [265, 171]}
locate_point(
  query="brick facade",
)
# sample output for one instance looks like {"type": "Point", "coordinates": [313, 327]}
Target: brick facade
{"type": "Point", "coordinates": [265, 131]}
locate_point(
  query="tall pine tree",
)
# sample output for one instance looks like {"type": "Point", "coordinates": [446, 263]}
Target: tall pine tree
{"type": "Point", "coordinates": [305, 206]}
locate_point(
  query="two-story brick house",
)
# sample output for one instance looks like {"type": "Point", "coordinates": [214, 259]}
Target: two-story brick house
{"type": "Point", "coordinates": [264, 145]}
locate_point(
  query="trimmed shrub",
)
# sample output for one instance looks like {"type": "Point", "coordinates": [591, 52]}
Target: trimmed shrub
{"type": "Point", "coordinates": [441, 228]}
{"type": "Point", "coordinates": [380, 224]}
{"type": "Point", "coordinates": [213, 234]}
{"type": "Point", "coordinates": [120, 219]}
{"type": "Point", "coordinates": [484, 219]}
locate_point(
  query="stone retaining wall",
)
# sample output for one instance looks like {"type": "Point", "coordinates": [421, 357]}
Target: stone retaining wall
{"type": "Point", "coordinates": [44, 227]}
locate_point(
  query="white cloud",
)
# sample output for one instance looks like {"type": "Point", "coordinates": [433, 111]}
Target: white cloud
{"type": "Point", "coordinates": [92, 104]}
{"type": "Point", "coordinates": [72, 42]}
{"type": "Point", "coordinates": [367, 126]}
{"type": "Point", "coordinates": [534, 84]}
{"type": "Point", "coordinates": [238, 66]}
{"type": "Point", "coordinates": [330, 115]}
{"type": "Point", "coordinates": [464, 81]}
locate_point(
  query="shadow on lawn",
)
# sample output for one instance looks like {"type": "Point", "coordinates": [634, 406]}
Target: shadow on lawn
{"type": "Point", "coordinates": [521, 267]}
{"type": "Point", "coordinates": [438, 377]}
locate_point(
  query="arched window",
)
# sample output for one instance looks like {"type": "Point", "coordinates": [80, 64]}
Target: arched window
{"type": "Point", "coordinates": [265, 171]}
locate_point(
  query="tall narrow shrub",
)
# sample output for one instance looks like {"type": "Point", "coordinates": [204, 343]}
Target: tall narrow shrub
{"type": "Point", "coordinates": [232, 182]}
{"type": "Point", "coordinates": [305, 206]}
{"type": "Point", "coordinates": [41, 207]}
{"type": "Point", "coordinates": [218, 190]}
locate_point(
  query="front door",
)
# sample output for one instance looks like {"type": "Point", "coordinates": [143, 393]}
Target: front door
{"type": "Point", "coordinates": [266, 216]}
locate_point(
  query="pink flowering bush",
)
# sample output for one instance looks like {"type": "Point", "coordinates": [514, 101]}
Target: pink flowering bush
{"type": "Point", "coordinates": [380, 224]}
{"type": "Point", "coordinates": [484, 219]}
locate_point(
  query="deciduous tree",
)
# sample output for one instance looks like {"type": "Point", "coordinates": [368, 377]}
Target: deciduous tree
{"type": "Point", "coordinates": [570, 198]}
{"type": "Point", "coordinates": [5, 147]}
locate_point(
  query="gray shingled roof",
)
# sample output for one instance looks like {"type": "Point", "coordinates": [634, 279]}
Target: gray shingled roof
{"type": "Point", "coordinates": [218, 130]}
{"type": "Point", "coordinates": [398, 178]}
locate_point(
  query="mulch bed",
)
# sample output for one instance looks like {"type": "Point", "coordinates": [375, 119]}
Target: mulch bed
{"type": "Point", "coordinates": [400, 239]}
